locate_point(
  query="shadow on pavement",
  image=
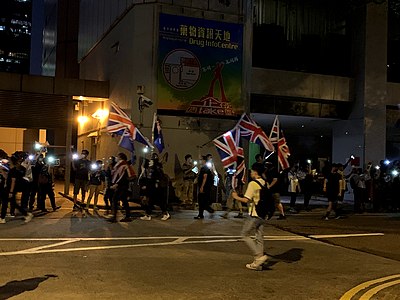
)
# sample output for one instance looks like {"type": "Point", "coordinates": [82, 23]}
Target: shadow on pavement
{"type": "Point", "coordinates": [290, 256]}
{"type": "Point", "coordinates": [16, 287]}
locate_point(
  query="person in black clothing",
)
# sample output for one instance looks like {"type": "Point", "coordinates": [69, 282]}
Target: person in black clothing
{"type": "Point", "coordinates": [332, 189]}
{"type": "Point", "coordinates": [3, 193]}
{"type": "Point", "coordinates": [157, 188]}
{"type": "Point", "coordinates": [271, 176]}
{"type": "Point", "coordinates": [120, 184]}
{"type": "Point", "coordinates": [35, 184]}
{"type": "Point", "coordinates": [108, 192]}
{"type": "Point", "coordinates": [96, 179]}
{"type": "Point", "coordinates": [14, 184]}
{"type": "Point", "coordinates": [205, 183]}
{"type": "Point", "coordinates": [81, 167]}
{"type": "Point", "coordinates": [46, 188]}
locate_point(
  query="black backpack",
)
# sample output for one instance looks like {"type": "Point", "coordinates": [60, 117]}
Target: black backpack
{"type": "Point", "coordinates": [265, 208]}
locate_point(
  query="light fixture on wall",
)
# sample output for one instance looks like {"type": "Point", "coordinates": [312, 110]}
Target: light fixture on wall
{"type": "Point", "coordinates": [82, 120]}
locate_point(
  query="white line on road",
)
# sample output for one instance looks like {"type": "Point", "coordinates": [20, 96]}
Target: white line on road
{"type": "Point", "coordinates": [176, 240]}
{"type": "Point", "coordinates": [329, 236]}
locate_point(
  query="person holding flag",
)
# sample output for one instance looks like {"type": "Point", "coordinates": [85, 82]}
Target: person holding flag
{"type": "Point", "coordinates": [158, 139]}
{"type": "Point", "coordinates": [119, 123]}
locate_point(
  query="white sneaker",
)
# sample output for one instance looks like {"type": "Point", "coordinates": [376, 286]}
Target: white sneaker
{"type": "Point", "coordinates": [145, 218]}
{"type": "Point", "coordinates": [257, 263]}
{"type": "Point", "coordinates": [28, 217]}
{"type": "Point", "coordinates": [2, 221]}
{"type": "Point", "coordinates": [10, 216]}
{"type": "Point", "coordinates": [166, 217]}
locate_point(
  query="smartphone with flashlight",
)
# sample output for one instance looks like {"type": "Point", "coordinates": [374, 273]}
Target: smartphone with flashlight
{"type": "Point", "coordinates": [195, 170]}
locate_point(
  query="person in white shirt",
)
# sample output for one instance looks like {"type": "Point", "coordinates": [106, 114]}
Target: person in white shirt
{"type": "Point", "coordinates": [254, 223]}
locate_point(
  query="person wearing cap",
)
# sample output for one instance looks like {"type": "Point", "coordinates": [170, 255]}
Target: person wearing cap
{"type": "Point", "coordinates": [81, 168]}
{"type": "Point", "coordinates": [205, 182]}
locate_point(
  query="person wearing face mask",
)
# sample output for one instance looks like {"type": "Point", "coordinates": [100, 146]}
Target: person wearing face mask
{"type": "Point", "coordinates": [81, 168]}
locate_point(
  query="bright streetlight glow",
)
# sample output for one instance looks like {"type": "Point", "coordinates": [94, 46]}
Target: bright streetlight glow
{"type": "Point", "coordinates": [82, 119]}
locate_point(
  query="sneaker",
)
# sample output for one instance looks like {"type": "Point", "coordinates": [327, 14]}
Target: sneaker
{"type": "Point", "coordinates": [28, 217]}
{"type": "Point", "coordinates": [199, 217]}
{"type": "Point", "coordinates": [254, 266]}
{"type": "Point", "coordinates": [2, 221]}
{"type": "Point", "coordinates": [10, 215]}
{"type": "Point", "coordinates": [225, 215]}
{"type": "Point", "coordinates": [56, 207]}
{"type": "Point", "coordinates": [239, 216]}
{"type": "Point", "coordinates": [261, 259]}
{"type": "Point", "coordinates": [326, 218]}
{"type": "Point", "coordinates": [292, 210]}
{"type": "Point", "coordinates": [338, 217]}
{"type": "Point", "coordinates": [166, 217]}
{"type": "Point", "coordinates": [281, 217]}
{"type": "Point", "coordinates": [145, 218]}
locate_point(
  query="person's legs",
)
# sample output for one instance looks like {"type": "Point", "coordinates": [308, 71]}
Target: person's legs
{"type": "Point", "coordinates": [92, 190]}
{"type": "Point", "coordinates": [83, 190]}
{"type": "Point", "coordinates": [329, 209]}
{"type": "Point", "coordinates": [52, 197]}
{"type": "Point", "coordinates": [293, 200]}
{"type": "Point", "coordinates": [41, 197]}
{"type": "Point", "coordinates": [307, 198]}
{"type": "Point", "coordinates": [201, 198]}
{"type": "Point", "coordinates": [33, 194]}
{"type": "Point", "coordinates": [254, 225]}
{"type": "Point", "coordinates": [4, 206]}
{"type": "Point", "coordinates": [125, 203]}
{"type": "Point", "coordinates": [185, 194]}
{"type": "Point", "coordinates": [96, 196]}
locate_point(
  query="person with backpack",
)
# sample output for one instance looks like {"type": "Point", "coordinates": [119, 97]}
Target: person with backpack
{"type": "Point", "coordinates": [255, 196]}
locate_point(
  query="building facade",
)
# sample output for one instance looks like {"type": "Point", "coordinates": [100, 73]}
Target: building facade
{"type": "Point", "coordinates": [15, 36]}
{"type": "Point", "coordinates": [324, 69]}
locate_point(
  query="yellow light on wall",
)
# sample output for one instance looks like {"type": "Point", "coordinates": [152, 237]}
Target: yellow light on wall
{"type": "Point", "coordinates": [82, 120]}
{"type": "Point", "coordinates": [100, 114]}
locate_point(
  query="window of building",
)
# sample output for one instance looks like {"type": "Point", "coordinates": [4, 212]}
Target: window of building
{"type": "Point", "coordinates": [302, 35]}
{"type": "Point", "coordinates": [393, 62]}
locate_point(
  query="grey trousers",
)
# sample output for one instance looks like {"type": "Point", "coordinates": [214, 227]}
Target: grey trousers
{"type": "Point", "coordinates": [254, 226]}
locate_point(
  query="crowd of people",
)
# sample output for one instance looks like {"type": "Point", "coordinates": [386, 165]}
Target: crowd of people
{"type": "Point", "coordinates": [374, 187]}
{"type": "Point", "coordinates": [29, 175]}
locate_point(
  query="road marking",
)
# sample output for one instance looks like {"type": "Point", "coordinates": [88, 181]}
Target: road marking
{"type": "Point", "coordinates": [329, 236]}
{"type": "Point", "coordinates": [355, 290]}
{"type": "Point", "coordinates": [176, 240]}
{"type": "Point", "coordinates": [368, 295]}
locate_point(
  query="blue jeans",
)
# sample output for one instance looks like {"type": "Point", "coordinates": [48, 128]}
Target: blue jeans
{"type": "Point", "coordinates": [254, 225]}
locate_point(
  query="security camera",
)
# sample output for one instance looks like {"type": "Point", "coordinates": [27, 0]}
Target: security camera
{"type": "Point", "coordinates": [144, 102]}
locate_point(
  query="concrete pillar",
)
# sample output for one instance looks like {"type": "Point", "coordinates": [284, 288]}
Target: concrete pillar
{"type": "Point", "coordinates": [375, 82]}
{"type": "Point", "coordinates": [68, 140]}
{"type": "Point", "coordinates": [364, 134]}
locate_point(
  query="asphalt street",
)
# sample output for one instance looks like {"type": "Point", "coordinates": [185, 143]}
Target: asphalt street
{"type": "Point", "coordinates": [57, 256]}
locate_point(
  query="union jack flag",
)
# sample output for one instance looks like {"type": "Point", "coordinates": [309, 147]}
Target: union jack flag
{"type": "Point", "coordinates": [280, 142]}
{"type": "Point", "coordinates": [120, 124]}
{"type": "Point", "coordinates": [274, 134]}
{"type": "Point", "coordinates": [283, 152]}
{"type": "Point", "coordinates": [232, 154]}
{"type": "Point", "coordinates": [118, 120]}
{"type": "Point", "coordinates": [250, 130]}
